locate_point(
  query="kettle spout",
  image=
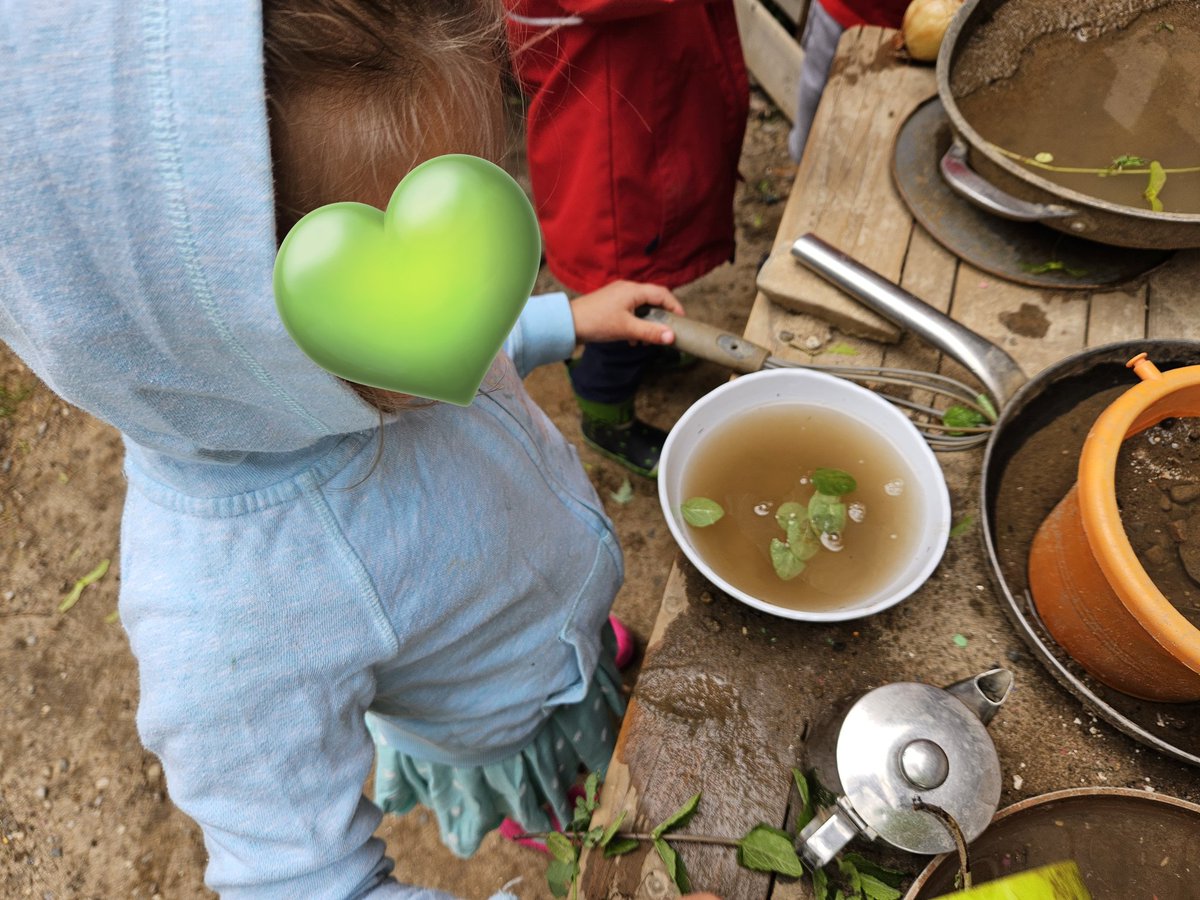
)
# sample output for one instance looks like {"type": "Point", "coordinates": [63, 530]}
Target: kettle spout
{"type": "Point", "coordinates": [984, 693]}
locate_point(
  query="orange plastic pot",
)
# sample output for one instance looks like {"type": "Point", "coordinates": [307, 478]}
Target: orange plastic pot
{"type": "Point", "coordinates": [1090, 591]}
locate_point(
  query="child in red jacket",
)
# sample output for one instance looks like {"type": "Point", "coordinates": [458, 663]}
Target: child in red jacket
{"type": "Point", "coordinates": [827, 19]}
{"type": "Point", "coordinates": [636, 114]}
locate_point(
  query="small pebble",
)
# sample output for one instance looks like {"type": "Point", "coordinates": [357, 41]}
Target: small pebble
{"type": "Point", "coordinates": [1185, 493]}
{"type": "Point", "coordinates": [812, 342]}
{"type": "Point", "coordinates": [101, 783]}
{"type": "Point", "coordinates": [711, 624]}
{"type": "Point", "coordinates": [1017, 782]}
{"type": "Point", "coordinates": [786, 337]}
{"type": "Point", "coordinates": [706, 597]}
{"type": "Point", "coordinates": [41, 792]}
{"type": "Point", "coordinates": [153, 772]}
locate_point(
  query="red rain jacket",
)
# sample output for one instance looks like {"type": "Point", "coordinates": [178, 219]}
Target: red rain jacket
{"type": "Point", "coordinates": [636, 114]}
{"type": "Point", "coordinates": [848, 13]}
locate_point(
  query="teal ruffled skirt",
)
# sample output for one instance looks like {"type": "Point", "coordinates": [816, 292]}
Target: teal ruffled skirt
{"type": "Point", "coordinates": [470, 801]}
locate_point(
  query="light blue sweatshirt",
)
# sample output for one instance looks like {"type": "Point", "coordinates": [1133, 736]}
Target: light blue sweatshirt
{"type": "Point", "coordinates": [277, 580]}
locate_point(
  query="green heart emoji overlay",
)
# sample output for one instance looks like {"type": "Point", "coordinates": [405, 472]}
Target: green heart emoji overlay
{"type": "Point", "coordinates": [417, 299]}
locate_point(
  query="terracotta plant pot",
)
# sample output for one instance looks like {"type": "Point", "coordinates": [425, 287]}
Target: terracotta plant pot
{"type": "Point", "coordinates": [1090, 590]}
{"type": "Point", "coordinates": [1058, 881]}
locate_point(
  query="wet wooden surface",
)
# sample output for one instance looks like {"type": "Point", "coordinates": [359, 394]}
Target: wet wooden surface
{"type": "Point", "coordinates": [726, 692]}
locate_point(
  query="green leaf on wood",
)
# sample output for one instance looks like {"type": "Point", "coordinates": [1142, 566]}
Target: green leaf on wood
{"type": "Point", "coordinates": [612, 829]}
{"type": "Point", "coordinates": [805, 813]}
{"type": "Point", "coordinates": [674, 864]}
{"type": "Point", "coordinates": [959, 416]}
{"type": "Point", "coordinates": [678, 818]}
{"type": "Point", "coordinates": [841, 349]}
{"type": "Point", "coordinates": [767, 849]}
{"type": "Point", "coordinates": [700, 512]}
{"type": "Point", "coordinates": [962, 526]}
{"type": "Point", "coordinates": [620, 846]}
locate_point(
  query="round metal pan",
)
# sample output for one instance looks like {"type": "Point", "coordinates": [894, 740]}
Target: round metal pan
{"type": "Point", "coordinates": [985, 42]}
{"type": "Point", "coordinates": [1047, 413]}
{"type": "Point", "coordinates": [1127, 844]}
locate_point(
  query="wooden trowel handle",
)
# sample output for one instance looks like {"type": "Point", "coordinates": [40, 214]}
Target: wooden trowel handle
{"type": "Point", "coordinates": [709, 343]}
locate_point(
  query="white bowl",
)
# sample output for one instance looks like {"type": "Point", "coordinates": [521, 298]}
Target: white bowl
{"type": "Point", "coordinates": [802, 387]}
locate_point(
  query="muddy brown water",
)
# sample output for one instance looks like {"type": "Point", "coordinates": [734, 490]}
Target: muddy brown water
{"type": "Point", "coordinates": [1158, 493]}
{"type": "Point", "coordinates": [1127, 846]}
{"type": "Point", "coordinates": [1089, 98]}
{"type": "Point", "coordinates": [1034, 464]}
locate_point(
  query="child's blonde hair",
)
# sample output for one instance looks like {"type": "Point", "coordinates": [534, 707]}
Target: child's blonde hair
{"type": "Point", "coordinates": [361, 91]}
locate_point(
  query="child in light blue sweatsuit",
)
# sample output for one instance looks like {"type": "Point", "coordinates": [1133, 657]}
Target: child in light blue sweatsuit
{"type": "Point", "coordinates": [300, 573]}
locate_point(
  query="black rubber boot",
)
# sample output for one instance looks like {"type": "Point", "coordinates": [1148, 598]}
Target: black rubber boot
{"type": "Point", "coordinates": [612, 430]}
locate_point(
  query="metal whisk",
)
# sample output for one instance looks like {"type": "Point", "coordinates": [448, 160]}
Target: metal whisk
{"type": "Point", "coordinates": [743, 356]}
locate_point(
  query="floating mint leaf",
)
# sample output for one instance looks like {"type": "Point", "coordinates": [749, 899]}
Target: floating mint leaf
{"type": "Point", "coordinates": [674, 864]}
{"type": "Point", "coordinates": [791, 512]}
{"type": "Point", "coordinates": [803, 541]}
{"type": "Point", "coordinates": [826, 513]}
{"type": "Point", "coordinates": [834, 482]}
{"type": "Point", "coordinates": [700, 512]}
{"type": "Point", "coordinates": [1127, 161]}
{"type": "Point", "coordinates": [677, 818]}
{"type": "Point", "coordinates": [787, 564]}
{"type": "Point", "coordinates": [767, 849]}
{"type": "Point", "coordinates": [1158, 177]}
{"type": "Point", "coordinates": [620, 846]}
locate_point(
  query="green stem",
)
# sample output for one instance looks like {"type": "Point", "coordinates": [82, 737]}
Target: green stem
{"type": "Point", "coordinates": [1079, 170]}
{"type": "Point", "coordinates": [641, 836]}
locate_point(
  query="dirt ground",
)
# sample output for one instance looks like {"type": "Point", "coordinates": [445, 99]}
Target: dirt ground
{"type": "Point", "coordinates": [83, 808]}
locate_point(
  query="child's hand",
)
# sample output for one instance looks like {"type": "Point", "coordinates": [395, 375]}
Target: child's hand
{"type": "Point", "coordinates": [608, 314]}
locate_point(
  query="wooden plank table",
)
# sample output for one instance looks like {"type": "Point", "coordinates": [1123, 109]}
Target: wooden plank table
{"type": "Point", "coordinates": [726, 692]}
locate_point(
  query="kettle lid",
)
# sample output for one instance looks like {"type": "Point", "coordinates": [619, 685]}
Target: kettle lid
{"type": "Point", "coordinates": [908, 741]}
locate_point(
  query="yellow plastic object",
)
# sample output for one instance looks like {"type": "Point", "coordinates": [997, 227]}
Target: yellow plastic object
{"type": "Point", "coordinates": [1057, 881]}
{"type": "Point", "coordinates": [1090, 591]}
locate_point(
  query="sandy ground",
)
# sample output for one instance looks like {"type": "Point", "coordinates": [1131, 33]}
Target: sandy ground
{"type": "Point", "coordinates": [84, 812]}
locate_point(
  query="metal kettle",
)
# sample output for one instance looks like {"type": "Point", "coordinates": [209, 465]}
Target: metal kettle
{"type": "Point", "coordinates": [880, 758]}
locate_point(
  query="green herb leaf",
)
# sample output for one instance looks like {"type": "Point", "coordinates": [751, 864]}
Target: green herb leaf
{"type": "Point", "coordinates": [677, 818]}
{"type": "Point", "coordinates": [560, 875]}
{"type": "Point", "coordinates": [890, 877]}
{"type": "Point", "coordinates": [959, 416]}
{"type": "Point", "coordinates": [1158, 177]}
{"type": "Point", "coordinates": [560, 847]}
{"type": "Point", "coordinates": [590, 786]}
{"type": "Point", "coordinates": [623, 494]}
{"type": "Point", "coordinates": [874, 889]}
{"type": "Point", "coordinates": [841, 349]}
{"type": "Point", "coordinates": [77, 591]}
{"type": "Point", "coordinates": [612, 829]}
{"type": "Point", "coordinates": [803, 541]}
{"type": "Point", "coordinates": [826, 513]}
{"type": "Point", "coordinates": [805, 813]}
{"type": "Point", "coordinates": [1044, 157]}
{"type": "Point", "coordinates": [620, 846]}
{"type": "Point", "coordinates": [791, 512]}
{"type": "Point", "coordinates": [767, 849]}
{"type": "Point", "coordinates": [960, 640]}
{"type": "Point", "coordinates": [834, 482]}
{"type": "Point", "coordinates": [820, 884]}
{"type": "Point", "coordinates": [592, 838]}
{"type": "Point", "coordinates": [986, 403]}
{"type": "Point", "coordinates": [962, 526]}
{"type": "Point", "coordinates": [674, 864]}
{"type": "Point", "coordinates": [700, 512]}
{"type": "Point", "coordinates": [787, 564]}
{"type": "Point", "coordinates": [1126, 161]}
{"type": "Point", "coordinates": [849, 872]}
